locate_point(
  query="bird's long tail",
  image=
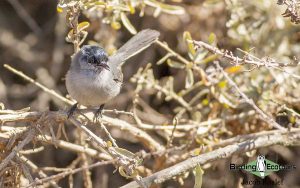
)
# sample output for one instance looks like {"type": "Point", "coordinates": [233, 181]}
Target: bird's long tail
{"type": "Point", "coordinates": [135, 45]}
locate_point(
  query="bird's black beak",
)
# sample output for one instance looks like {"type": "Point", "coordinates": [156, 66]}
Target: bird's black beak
{"type": "Point", "coordinates": [105, 66]}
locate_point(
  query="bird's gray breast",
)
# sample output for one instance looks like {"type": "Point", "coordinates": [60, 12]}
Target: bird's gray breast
{"type": "Point", "coordinates": [92, 88]}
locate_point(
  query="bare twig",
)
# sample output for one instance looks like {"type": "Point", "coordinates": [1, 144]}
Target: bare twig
{"type": "Point", "coordinates": [68, 172]}
{"type": "Point", "coordinates": [196, 125]}
{"type": "Point", "coordinates": [278, 137]}
{"type": "Point", "coordinates": [85, 162]}
{"type": "Point", "coordinates": [264, 116]}
{"type": "Point", "coordinates": [146, 139]}
{"type": "Point", "coordinates": [44, 88]}
{"type": "Point", "coordinates": [113, 141]}
{"type": "Point", "coordinates": [74, 147]}
{"type": "Point", "coordinates": [247, 59]}
{"type": "Point", "coordinates": [124, 161]}
{"type": "Point", "coordinates": [292, 10]}
{"type": "Point", "coordinates": [183, 60]}
{"type": "Point", "coordinates": [29, 137]}
{"type": "Point", "coordinates": [175, 122]}
{"type": "Point", "coordinates": [235, 59]}
{"type": "Point", "coordinates": [31, 151]}
{"type": "Point", "coordinates": [36, 169]}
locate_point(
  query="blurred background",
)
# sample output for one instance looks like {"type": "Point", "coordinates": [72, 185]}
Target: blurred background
{"type": "Point", "coordinates": [33, 40]}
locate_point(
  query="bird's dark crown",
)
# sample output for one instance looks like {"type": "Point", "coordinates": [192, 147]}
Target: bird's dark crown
{"type": "Point", "coordinates": [94, 55]}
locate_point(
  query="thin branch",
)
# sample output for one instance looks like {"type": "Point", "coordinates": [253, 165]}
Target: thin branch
{"type": "Point", "coordinates": [68, 172]}
{"type": "Point", "coordinates": [31, 151]}
{"type": "Point", "coordinates": [36, 168]}
{"type": "Point", "coordinates": [291, 10]}
{"type": "Point", "coordinates": [196, 125]}
{"type": "Point", "coordinates": [182, 59]}
{"type": "Point", "coordinates": [19, 147]}
{"type": "Point", "coordinates": [169, 143]}
{"type": "Point", "coordinates": [74, 147]}
{"type": "Point", "coordinates": [235, 59]}
{"type": "Point", "coordinates": [271, 138]}
{"type": "Point", "coordinates": [146, 138]}
{"type": "Point", "coordinates": [247, 59]}
{"type": "Point", "coordinates": [264, 116]}
{"type": "Point", "coordinates": [85, 162]}
{"type": "Point", "coordinates": [44, 88]}
{"type": "Point", "coordinates": [113, 141]}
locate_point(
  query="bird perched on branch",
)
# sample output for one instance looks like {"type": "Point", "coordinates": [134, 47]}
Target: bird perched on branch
{"type": "Point", "coordinates": [94, 78]}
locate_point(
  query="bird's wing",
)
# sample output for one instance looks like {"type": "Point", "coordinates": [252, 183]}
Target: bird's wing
{"type": "Point", "coordinates": [118, 75]}
{"type": "Point", "coordinates": [135, 45]}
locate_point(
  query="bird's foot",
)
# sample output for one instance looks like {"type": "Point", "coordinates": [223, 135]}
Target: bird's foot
{"type": "Point", "coordinates": [72, 110]}
{"type": "Point", "coordinates": [98, 113]}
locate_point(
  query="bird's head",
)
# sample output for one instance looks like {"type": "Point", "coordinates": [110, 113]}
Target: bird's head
{"type": "Point", "coordinates": [94, 55]}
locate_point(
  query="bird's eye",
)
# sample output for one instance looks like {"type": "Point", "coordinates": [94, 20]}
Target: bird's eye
{"type": "Point", "coordinates": [93, 60]}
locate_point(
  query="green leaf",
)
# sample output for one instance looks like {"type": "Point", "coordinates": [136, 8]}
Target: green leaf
{"type": "Point", "coordinates": [211, 2]}
{"type": "Point", "coordinates": [210, 58]}
{"type": "Point", "coordinates": [131, 8]}
{"type": "Point", "coordinates": [211, 38]}
{"type": "Point", "coordinates": [127, 24]}
{"type": "Point", "coordinates": [233, 69]}
{"type": "Point", "coordinates": [125, 152]}
{"type": "Point", "coordinates": [115, 25]}
{"type": "Point", "coordinates": [222, 84]}
{"type": "Point", "coordinates": [83, 26]}
{"type": "Point", "coordinates": [200, 55]}
{"type": "Point", "coordinates": [100, 3]}
{"type": "Point", "coordinates": [123, 173]}
{"type": "Point", "coordinates": [188, 39]}
{"type": "Point", "coordinates": [189, 80]}
{"type": "Point", "coordinates": [205, 102]}
{"type": "Point", "coordinates": [89, 5]}
{"type": "Point", "coordinates": [170, 9]}
{"type": "Point", "coordinates": [226, 101]}
{"type": "Point", "coordinates": [198, 176]}
{"type": "Point", "coordinates": [119, 7]}
{"type": "Point", "coordinates": [163, 59]}
{"type": "Point", "coordinates": [59, 9]}
{"type": "Point", "coordinates": [175, 64]}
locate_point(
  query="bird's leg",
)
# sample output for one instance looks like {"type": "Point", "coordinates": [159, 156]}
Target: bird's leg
{"type": "Point", "coordinates": [98, 112]}
{"type": "Point", "coordinates": [72, 110]}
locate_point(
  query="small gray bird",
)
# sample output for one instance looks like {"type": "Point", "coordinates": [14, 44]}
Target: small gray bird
{"type": "Point", "coordinates": [94, 78]}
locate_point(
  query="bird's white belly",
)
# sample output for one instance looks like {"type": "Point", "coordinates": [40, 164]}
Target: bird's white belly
{"type": "Point", "coordinates": [91, 89]}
